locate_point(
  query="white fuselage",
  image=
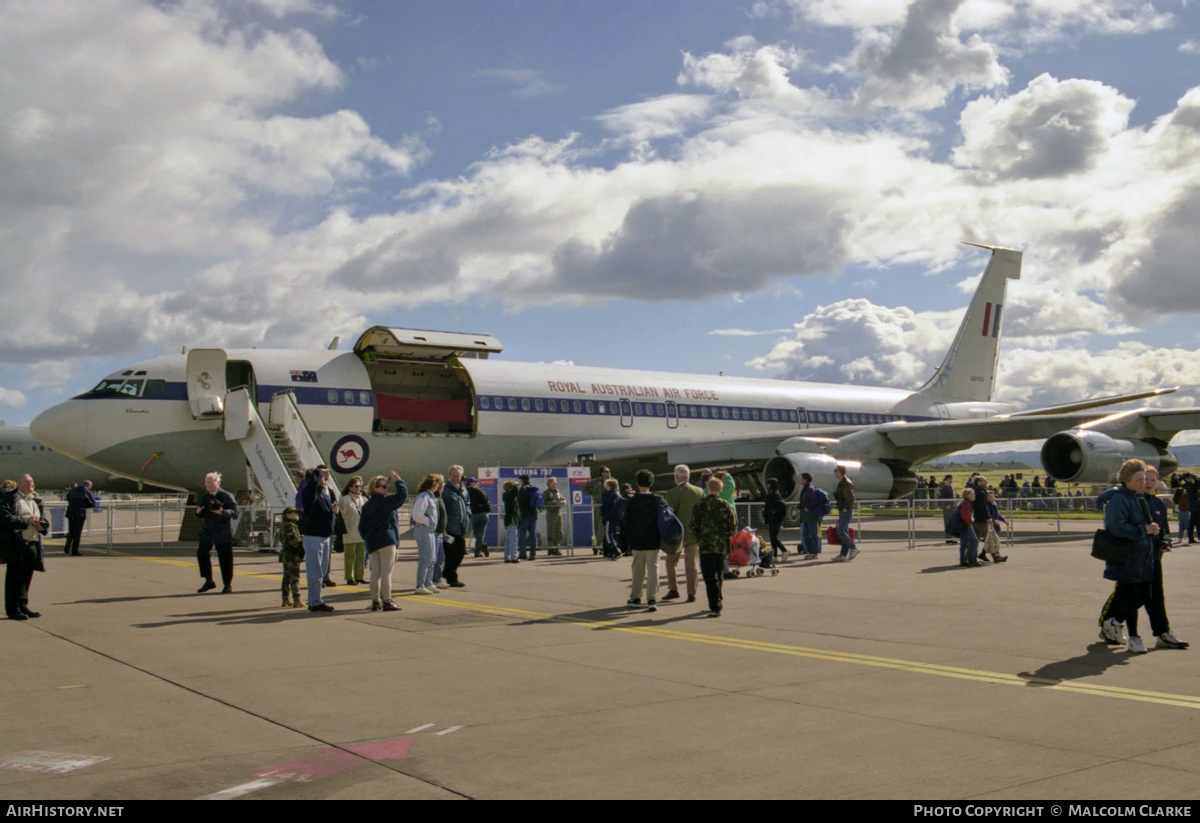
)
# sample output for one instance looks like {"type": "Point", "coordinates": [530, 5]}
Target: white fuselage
{"type": "Point", "coordinates": [144, 422]}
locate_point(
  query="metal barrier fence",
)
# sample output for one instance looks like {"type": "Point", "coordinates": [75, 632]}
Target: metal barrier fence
{"type": "Point", "coordinates": [907, 520]}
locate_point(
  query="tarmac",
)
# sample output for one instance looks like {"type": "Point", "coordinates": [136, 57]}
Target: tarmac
{"type": "Point", "coordinates": [897, 675]}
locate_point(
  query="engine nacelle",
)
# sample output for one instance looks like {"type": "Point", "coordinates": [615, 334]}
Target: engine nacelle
{"type": "Point", "coordinates": [1081, 456]}
{"type": "Point", "coordinates": [872, 480]}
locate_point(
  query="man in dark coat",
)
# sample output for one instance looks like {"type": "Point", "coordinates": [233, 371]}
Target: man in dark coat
{"type": "Point", "coordinates": [80, 501]}
{"type": "Point", "coordinates": [217, 508]}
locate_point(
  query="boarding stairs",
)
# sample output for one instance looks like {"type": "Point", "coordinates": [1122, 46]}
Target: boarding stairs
{"type": "Point", "coordinates": [276, 449]}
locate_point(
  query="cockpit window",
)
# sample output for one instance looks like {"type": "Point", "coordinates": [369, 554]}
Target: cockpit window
{"type": "Point", "coordinates": [129, 388]}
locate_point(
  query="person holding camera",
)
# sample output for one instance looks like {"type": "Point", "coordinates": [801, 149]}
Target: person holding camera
{"type": "Point", "coordinates": [320, 512]}
{"type": "Point", "coordinates": [217, 509]}
{"type": "Point", "coordinates": [22, 525]}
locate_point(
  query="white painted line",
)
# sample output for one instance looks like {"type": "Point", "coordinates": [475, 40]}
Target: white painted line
{"type": "Point", "coordinates": [238, 791]}
{"type": "Point", "coordinates": [420, 728]}
{"type": "Point", "coordinates": [447, 731]}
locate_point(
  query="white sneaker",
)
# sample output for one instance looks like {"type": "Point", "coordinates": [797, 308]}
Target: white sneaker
{"type": "Point", "coordinates": [853, 554]}
{"type": "Point", "coordinates": [1112, 632]}
{"type": "Point", "coordinates": [423, 590]}
{"type": "Point", "coordinates": [1166, 640]}
{"type": "Point", "coordinates": [1136, 646]}
{"type": "Point", "coordinates": [840, 558]}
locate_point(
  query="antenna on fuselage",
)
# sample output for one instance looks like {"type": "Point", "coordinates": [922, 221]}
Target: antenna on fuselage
{"type": "Point", "coordinates": [333, 344]}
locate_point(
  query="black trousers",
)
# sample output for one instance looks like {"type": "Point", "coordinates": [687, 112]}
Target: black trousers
{"type": "Point", "coordinates": [773, 527]}
{"type": "Point", "coordinates": [455, 547]}
{"type": "Point", "coordinates": [1120, 604]}
{"type": "Point", "coordinates": [17, 577]}
{"type": "Point", "coordinates": [74, 534]}
{"type": "Point", "coordinates": [224, 557]}
{"type": "Point", "coordinates": [712, 567]}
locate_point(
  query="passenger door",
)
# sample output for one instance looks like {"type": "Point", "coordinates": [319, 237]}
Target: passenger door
{"type": "Point", "coordinates": [206, 382]}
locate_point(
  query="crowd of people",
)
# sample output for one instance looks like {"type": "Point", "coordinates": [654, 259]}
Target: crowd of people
{"type": "Point", "coordinates": [447, 510]}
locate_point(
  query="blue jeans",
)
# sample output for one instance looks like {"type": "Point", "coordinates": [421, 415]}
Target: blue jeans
{"type": "Point", "coordinates": [510, 542]}
{"type": "Point", "coordinates": [843, 531]}
{"type": "Point", "coordinates": [527, 537]}
{"type": "Point", "coordinates": [968, 546]}
{"type": "Point", "coordinates": [426, 555]}
{"type": "Point", "coordinates": [316, 560]}
{"type": "Point", "coordinates": [479, 524]}
{"type": "Point", "coordinates": [811, 534]}
{"type": "Point", "coordinates": [1185, 518]}
{"type": "Point", "coordinates": [439, 557]}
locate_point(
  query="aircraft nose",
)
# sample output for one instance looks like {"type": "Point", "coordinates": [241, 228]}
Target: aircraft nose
{"type": "Point", "coordinates": [63, 428]}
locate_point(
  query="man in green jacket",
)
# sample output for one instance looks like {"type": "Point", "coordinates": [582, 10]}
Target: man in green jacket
{"type": "Point", "coordinates": [682, 499]}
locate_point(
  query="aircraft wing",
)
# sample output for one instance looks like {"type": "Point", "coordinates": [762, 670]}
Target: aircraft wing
{"type": "Point", "coordinates": [910, 443]}
{"type": "Point", "coordinates": [1095, 402]}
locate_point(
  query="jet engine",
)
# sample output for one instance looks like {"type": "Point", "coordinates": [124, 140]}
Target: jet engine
{"type": "Point", "coordinates": [873, 480]}
{"type": "Point", "coordinates": [1081, 456]}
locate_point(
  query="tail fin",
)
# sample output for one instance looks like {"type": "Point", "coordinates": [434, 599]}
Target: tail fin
{"type": "Point", "coordinates": [969, 370]}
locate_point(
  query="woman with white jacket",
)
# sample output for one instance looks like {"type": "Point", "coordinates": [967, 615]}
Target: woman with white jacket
{"type": "Point", "coordinates": [425, 519]}
{"type": "Point", "coordinates": [350, 506]}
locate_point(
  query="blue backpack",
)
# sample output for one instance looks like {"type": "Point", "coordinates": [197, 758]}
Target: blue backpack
{"type": "Point", "coordinates": [670, 528]}
{"type": "Point", "coordinates": [536, 500]}
{"type": "Point", "coordinates": [823, 507]}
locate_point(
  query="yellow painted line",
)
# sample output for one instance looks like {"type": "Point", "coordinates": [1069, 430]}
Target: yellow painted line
{"type": "Point", "coordinates": [1000, 678]}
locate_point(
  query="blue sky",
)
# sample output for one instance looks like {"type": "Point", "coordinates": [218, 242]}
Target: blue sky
{"type": "Point", "coordinates": [770, 188]}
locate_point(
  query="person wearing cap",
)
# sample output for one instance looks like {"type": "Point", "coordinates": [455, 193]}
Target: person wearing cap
{"type": "Point", "coordinates": [481, 507]}
{"type": "Point", "coordinates": [291, 555]}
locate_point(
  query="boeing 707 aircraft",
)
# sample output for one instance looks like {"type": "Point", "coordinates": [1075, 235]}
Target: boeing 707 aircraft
{"type": "Point", "coordinates": [418, 401]}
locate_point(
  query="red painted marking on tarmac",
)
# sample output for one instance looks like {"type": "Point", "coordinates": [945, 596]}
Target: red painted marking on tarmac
{"type": "Point", "coordinates": [335, 761]}
{"type": "Point", "coordinates": [384, 749]}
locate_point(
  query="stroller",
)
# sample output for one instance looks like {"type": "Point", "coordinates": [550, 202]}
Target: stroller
{"type": "Point", "coordinates": [747, 552]}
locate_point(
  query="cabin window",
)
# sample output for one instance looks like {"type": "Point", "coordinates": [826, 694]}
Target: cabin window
{"type": "Point", "coordinates": [525, 404]}
{"type": "Point", "coordinates": [590, 406]}
{"type": "Point", "coordinates": [576, 406]}
{"type": "Point", "coordinates": [348, 396]}
{"type": "Point", "coordinates": [538, 405]}
{"type": "Point", "coordinates": [512, 404]}
{"type": "Point", "coordinates": [485, 403]}
{"type": "Point", "coordinates": [736, 416]}
{"type": "Point", "coordinates": [331, 395]}
{"type": "Point", "coordinates": [552, 405]}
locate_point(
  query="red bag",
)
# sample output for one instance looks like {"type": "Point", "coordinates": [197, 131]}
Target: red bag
{"type": "Point", "coordinates": [739, 548]}
{"type": "Point", "coordinates": [831, 536]}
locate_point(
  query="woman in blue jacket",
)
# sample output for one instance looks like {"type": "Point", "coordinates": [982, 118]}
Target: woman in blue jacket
{"type": "Point", "coordinates": [380, 533]}
{"type": "Point", "coordinates": [1126, 515]}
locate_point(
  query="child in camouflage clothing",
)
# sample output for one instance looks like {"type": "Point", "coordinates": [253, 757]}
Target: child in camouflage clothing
{"type": "Point", "coordinates": [713, 525]}
{"type": "Point", "coordinates": [291, 556]}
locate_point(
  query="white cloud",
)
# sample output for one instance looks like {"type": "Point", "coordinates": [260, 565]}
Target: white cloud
{"type": "Point", "coordinates": [918, 64]}
{"type": "Point", "coordinates": [857, 341]}
{"type": "Point", "coordinates": [142, 144]}
{"type": "Point", "coordinates": [1048, 129]}
{"type": "Point", "coordinates": [526, 83]}
{"type": "Point", "coordinates": [13, 398]}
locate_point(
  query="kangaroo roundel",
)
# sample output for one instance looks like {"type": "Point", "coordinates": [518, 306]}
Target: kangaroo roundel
{"type": "Point", "coordinates": [349, 454]}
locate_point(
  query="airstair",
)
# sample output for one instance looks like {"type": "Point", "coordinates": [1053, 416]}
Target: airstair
{"type": "Point", "coordinates": [275, 449]}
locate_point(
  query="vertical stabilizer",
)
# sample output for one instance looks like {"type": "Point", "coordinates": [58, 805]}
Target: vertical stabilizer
{"type": "Point", "coordinates": [969, 370]}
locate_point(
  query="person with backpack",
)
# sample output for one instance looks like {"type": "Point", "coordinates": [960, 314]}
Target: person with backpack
{"type": "Point", "coordinates": [640, 536]}
{"type": "Point", "coordinates": [814, 505]}
{"type": "Point", "coordinates": [844, 495]}
{"type": "Point", "coordinates": [529, 501]}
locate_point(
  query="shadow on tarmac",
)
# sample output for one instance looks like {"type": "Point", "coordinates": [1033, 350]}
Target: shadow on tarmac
{"type": "Point", "coordinates": [1098, 658]}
